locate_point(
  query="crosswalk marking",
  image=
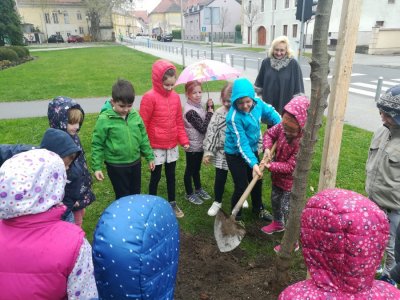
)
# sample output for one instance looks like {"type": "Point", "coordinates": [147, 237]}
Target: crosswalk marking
{"type": "Point", "coordinates": [396, 79]}
{"type": "Point", "coordinates": [331, 76]}
{"type": "Point", "coordinates": [369, 86]}
{"type": "Point", "coordinates": [387, 82]}
{"type": "Point", "coordinates": [362, 92]}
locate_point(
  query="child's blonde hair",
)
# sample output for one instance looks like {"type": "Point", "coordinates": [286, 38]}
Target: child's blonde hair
{"type": "Point", "coordinates": [75, 116]}
{"type": "Point", "coordinates": [278, 40]}
{"type": "Point", "coordinates": [226, 90]}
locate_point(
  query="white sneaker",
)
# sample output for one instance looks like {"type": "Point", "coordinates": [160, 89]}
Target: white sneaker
{"type": "Point", "coordinates": [245, 204]}
{"type": "Point", "coordinates": [214, 209]}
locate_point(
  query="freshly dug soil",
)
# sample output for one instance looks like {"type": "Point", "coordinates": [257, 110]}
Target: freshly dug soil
{"type": "Point", "coordinates": [207, 274]}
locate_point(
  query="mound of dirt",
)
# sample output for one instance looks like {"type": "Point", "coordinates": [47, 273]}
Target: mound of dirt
{"type": "Point", "coordinates": [207, 274]}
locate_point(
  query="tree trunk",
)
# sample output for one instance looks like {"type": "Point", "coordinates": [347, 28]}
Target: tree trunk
{"type": "Point", "coordinates": [319, 95]}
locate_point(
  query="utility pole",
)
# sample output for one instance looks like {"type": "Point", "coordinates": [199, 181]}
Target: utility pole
{"type": "Point", "coordinates": [182, 37]}
{"type": "Point", "coordinates": [211, 37]}
{"type": "Point", "coordinates": [347, 40]}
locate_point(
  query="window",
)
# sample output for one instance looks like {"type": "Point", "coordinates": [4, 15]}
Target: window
{"type": "Point", "coordinates": [286, 3]}
{"type": "Point", "coordinates": [273, 4]}
{"type": "Point", "coordinates": [66, 18]}
{"type": "Point", "coordinates": [294, 34]}
{"type": "Point", "coordinates": [391, 1]}
{"type": "Point", "coordinates": [47, 18]}
{"type": "Point", "coordinates": [379, 23]}
{"type": "Point", "coordinates": [262, 5]}
{"type": "Point", "coordinates": [55, 18]}
{"type": "Point", "coordinates": [285, 30]}
{"type": "Point", "coordinates": [81, 30]}
{"type": "Point", "coordinates": [79, 16]}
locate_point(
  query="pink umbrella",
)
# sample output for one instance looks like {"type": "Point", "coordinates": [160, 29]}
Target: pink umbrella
{"type": "Point", "coordinates": [207, 70]}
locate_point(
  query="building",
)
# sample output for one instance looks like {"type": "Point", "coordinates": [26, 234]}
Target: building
{"type": "Point", "coordinates": [165, 17]}
{"type": "Point", "coordinates": [275, 18]}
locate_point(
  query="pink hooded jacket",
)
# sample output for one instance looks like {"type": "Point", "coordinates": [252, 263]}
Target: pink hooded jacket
{"type": "Point", "coordinates": [161, 111]}
{"type": "Point", "coordinates": [343, 236]}
{"type": "Point", "coordinates": [284, 163]}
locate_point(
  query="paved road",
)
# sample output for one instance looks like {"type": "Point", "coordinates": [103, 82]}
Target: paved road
{"type": "Point", "coordinates": [361, 110]}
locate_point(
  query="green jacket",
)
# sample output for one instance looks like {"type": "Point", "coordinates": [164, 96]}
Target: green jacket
{"type": "Point", "coordinates": [119, 141]}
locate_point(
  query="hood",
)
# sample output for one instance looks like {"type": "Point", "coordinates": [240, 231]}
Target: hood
{"type": "Point", "coordinates": [31, 182]}
{"type": "Point", "coordinates": [343, 235]}
{"type": "Point", "coordinates": [298, 108]}
{"type": "Point", "coordinates": [141, 230]}
{"type": "Point", "coordinates": [60, 142]}
{"type": "Point", "coordinates": [158, 70]}
{"type": "Point", "coordinates": [57, 112]}
{"type": "Point", "coordinates": [242, 87]}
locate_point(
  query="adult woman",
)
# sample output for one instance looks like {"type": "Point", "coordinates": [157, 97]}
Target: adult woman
{"type": "Point", "coordinates": [280, 77]}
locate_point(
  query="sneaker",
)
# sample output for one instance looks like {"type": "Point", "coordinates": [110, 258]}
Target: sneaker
{"type": "Point", "coordinates": [275, 226]}
{"type": "Point", "coordinates": [193, 198]}
{"type": "Point", "coordinates": [245, 204]}
{"type": "Point", "coordinates": [388, 280]}
{"type": "Point", "coordinates": [265, 215]}
{"type": "Point", "coordinates": [277, 248]}
{"type": "Point", "coordinates": [214, 208]}
{"type": "Point", "coordinates": [178, 212]}
{"type": "Point", "coordinates": [202, 194]}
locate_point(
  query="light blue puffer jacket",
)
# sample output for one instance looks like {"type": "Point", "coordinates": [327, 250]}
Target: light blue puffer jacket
{"type": "Point", "coordinates": [243, 129]}
{"type": "Point", "coordinates": [136, 249]}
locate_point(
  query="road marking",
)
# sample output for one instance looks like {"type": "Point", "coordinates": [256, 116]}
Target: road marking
{"type": "Point", "coordinates": [362, 92]}
{"type": "Point", "coordinates": [396, 79]}
{"type": "Point", "coordinates": [387, 82]}
{"type": "Point", "coordinates": [369, 86]}
{"type": "Point", "coordinates": [330, 76]}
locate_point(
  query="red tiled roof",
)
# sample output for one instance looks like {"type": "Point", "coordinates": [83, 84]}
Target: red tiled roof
{"type": "Point", "coordinates": [166, 6]}
{"type": "Point", "coordinates": [141, 14]}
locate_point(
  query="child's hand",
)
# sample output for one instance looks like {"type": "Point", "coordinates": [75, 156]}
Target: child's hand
{"type": "Point", "coordinates": [186, 147]}
{"type": "Point", "coordinates": [206, 160]}
{"type": "Point", "coordinates": [99, 175]}
{"type": "Point", "coordinates": [267, 155]}
{"type": "Point", "coordinates": [210, 105]}
{"type": "Point", "coordinates": [152, 166]}
{"type": "Point", "coordinates": [257, 172]}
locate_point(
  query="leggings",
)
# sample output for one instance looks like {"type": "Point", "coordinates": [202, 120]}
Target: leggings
{"type": "Point", "coordinates": [192, 170]}
{"type": "Point", "coordinates": [280, 204]}
{"type": "Point", "coordinates": [219, 184]}
{"type": "Point", "coordinates": [170, 177]}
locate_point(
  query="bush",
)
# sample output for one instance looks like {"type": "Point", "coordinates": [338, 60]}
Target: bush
{"type": "Point", "coordinates": [8, 54]}
{"type": "Point", "coordinates": [238, 27]}
{"type": "Point", "coordinates": [20, 50]}
{"type": "Point", "coordinates": [177, 34]}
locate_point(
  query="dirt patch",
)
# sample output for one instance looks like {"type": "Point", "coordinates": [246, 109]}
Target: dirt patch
{"type": "Point", "coordinates": [207, 274]}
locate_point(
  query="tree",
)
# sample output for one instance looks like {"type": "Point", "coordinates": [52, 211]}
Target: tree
{"type": "Point", "coordinates": [224, 19]}
{"type": "Point", "coordinates": [10, 24]}
{"type": "Point", "coordinates": [252, 13]}
{"type": "Point", "coordinates": [319, 95]}
{"type": "Point", "coordinates": [100, 9]}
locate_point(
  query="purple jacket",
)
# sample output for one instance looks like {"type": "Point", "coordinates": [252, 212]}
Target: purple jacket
{"type": "Point", "coordinates": [343, 235]}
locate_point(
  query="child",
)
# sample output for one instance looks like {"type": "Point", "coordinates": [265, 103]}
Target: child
{"type": "Point", "coordinates": [43, 257]}
{"type": "Point", "coordinates": [383, 168]}
{"type": "Point", "coordinates": [120, 139]}
{"type": "Point", "coordinates": [67, 115]}
{"type": "Point", "coordinates": [196, 120]}
{"type": "Point", "coordinates": [287, 137]}
{"type": "Point", "coordinates": [241, 142]}
{"type": "Point", "coordinates": [161, 111]}
{"type": "Point", "coordinates": [214, 148]}
{"type": "Point", "coordinates": [144, 256]}
{"type": "Point", "coordinates": [343, 235]}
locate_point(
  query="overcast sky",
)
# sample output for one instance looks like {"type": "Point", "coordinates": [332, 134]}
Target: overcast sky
{"type": "Point", "coordinates": [148, 5]}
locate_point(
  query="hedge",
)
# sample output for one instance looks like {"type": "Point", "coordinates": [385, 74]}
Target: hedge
{"type": "Point", "coordinates": [8, 54]}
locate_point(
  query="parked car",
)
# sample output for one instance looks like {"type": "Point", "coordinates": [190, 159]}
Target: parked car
{"type": "Point", "coordinates": [75, 39]}
{"type": "Point", "coordinates": [165, 37]}
{"type": "Point", "coordinates": [55, 38]}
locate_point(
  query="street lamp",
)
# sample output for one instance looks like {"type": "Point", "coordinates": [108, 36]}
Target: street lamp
{"type": "Point", "coordinates": [87, 22]}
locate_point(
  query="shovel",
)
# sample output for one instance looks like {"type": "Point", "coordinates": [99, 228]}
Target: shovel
{"type": "Point", "coordinates": [227, 232]}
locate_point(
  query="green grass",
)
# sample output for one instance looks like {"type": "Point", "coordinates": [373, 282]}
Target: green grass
{"type": "Point", "coordinates": [78, 73]}
{"type": "Point", "coordinates": [351, 175]}
{"type": "Point", "coordinates": [254, 49]}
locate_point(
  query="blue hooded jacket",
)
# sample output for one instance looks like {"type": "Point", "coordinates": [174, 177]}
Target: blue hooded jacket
{"type": "Point", "coordinates": [243, 129]}
{"type": "Point", "coordinates": [136, 249]}
{"type": "Point", "coordinates": [58, 118]}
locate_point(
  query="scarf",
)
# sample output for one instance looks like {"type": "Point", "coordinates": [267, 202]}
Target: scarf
{"type": "Point", "coordinates": [278, 64]}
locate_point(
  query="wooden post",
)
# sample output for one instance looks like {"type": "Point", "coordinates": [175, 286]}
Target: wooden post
{"type": "Point", "coordinates": [348, 32]}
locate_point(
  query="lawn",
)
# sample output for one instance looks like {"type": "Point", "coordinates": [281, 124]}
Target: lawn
{"type": "Point", "coordinates": [90, 72]}
{"type": "Point", "coordinates": [79, 73]}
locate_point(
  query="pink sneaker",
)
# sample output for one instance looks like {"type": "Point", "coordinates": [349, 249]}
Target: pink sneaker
{"type": "Point", "coordinates": [277, 248]}
{"type": "Point", "coordinates": [275, 226]}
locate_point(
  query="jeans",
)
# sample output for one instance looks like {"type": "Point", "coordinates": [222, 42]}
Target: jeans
{"type": "Point", "coordinates": [390, 261]}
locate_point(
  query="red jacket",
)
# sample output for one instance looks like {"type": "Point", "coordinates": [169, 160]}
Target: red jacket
{"type": "Point", "coordinates": [161, 111]}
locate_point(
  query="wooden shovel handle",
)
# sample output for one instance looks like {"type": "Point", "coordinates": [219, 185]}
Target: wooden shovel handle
{"type": "Point", "coordinates": [249, 188]}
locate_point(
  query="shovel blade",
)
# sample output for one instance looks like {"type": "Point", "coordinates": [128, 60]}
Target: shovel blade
{"type": "Point", "coordinates": [227, 232]}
